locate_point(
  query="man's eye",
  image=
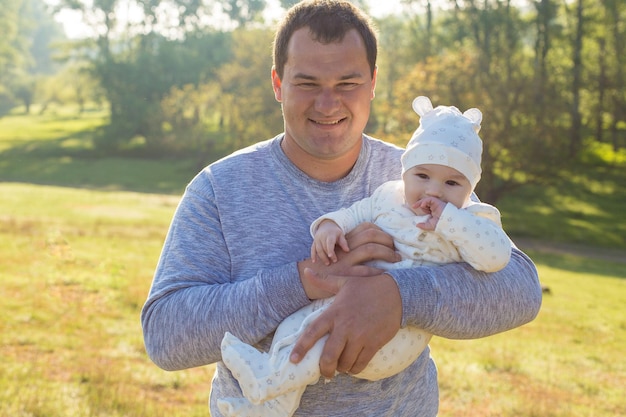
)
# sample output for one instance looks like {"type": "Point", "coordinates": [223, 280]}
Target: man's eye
{"type": "Point", "coordinates": [348, 86]}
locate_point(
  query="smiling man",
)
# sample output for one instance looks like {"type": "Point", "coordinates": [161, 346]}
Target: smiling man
{"type": "Point", "coordinates": [325, 91]}
{"type": "Point", "coordinates": [237, 255]}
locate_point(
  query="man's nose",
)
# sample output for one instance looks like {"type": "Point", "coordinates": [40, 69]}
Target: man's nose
{"type": "Point", "coordinates": [327, 101]}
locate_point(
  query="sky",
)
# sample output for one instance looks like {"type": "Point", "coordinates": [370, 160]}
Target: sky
{"type": "Point", "coordinates": [75, 28]}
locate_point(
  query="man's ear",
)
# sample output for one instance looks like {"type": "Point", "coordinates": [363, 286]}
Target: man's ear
{"type": "Point", "coordinates": [277, 85]}
{"type": "Point", "coordinates": [374, 77]}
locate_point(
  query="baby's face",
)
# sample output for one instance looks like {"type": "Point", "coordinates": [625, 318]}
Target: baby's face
{"type": "Point", "coordinates": [442, 182]}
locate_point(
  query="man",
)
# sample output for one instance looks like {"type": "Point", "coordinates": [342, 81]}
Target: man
{"type": "Point", "coordinates": [236, 257]}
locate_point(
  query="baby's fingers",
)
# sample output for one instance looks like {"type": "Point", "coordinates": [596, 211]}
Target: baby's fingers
{"type": "Point", "coordinates": [322, 254]}
{"type": "Point", "coordinates": [313, 253]}
{"type": "Point", "coordinates": [330, 251]}
{"type": "Point", "coordinates": [343, 244]}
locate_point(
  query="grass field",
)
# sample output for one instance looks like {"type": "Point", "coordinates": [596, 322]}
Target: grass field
{"type": "Point", "coordinates": [57, 149]}
{"type": "Point", "coordinates": [76, 262]}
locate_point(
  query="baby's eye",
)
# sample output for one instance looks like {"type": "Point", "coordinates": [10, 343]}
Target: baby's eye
{"type": "Point", "coordinates": [452, 183]}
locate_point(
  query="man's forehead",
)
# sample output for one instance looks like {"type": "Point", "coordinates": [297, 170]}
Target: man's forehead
{"type": "Point", "coordinates": [342, 60]}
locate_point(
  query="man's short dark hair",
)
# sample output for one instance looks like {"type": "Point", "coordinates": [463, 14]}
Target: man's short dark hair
{"type": "Point", "coordinates": [328, 21]}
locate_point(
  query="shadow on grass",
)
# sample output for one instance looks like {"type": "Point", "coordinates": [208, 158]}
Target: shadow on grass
{"type": "Point", "coordinates": [73, 161]}
{"type": "Point", "coordinates": [580, 263]}
{"type": "Point", "coordinates": [582, 208]}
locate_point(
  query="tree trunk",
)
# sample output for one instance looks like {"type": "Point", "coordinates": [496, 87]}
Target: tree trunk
{"type": "Point", "coordinates": [576, 128]}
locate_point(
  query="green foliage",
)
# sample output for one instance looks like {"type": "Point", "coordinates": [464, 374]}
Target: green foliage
{"type": "Point", "coordinates": [250, 111]}
{"type": "Point", "coordinates": [9, 52]}
{"type": "Point", "coordinates": [135, 84]}
{"type": "Point", "coordinates": [600, 154]}
{"type": "Point", "coordinates": [25, 53]}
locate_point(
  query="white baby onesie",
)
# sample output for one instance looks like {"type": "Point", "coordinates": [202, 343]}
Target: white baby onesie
{"type": "Point", "coordinates": [272, 385]}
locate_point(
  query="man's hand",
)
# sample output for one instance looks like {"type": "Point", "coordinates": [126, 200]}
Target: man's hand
{"type": "Point", "coordinates": [367, 310]}
{"type": "Point", "coordinates": [367, 242]}
{"type": "Point", "coordinates": [364, 316]}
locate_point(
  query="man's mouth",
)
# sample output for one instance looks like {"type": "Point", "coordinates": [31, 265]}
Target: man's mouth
{"type": "Point", "coordinates": [328, 122]}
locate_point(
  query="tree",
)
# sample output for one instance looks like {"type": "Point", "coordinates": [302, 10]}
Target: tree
{"type": "Point", "coordinates": [138, 63]}
{"type": "Point", "coordinates": [249, 108]}
{"type": "Point", "coordinates": [10, 52]}
{"type": "Point", "coordinates": [25, 50]}
{"type": "Point", "coordinates": [482, 58]}
{"type": "Point", "coordinates": [614, 18]}
{"type": "Point", "coordinates": [577, 69]}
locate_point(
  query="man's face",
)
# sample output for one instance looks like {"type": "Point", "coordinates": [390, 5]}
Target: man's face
{"type": "Point", "coordinates": [325, 93]}
{"type": "Point", "coordinates": [442, 182]}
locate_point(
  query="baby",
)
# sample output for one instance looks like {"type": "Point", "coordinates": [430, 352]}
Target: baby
{"type": "Point", "coordinates": [432, 219]}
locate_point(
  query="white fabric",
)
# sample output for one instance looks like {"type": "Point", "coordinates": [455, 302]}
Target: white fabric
{"type": "Point", "coordinates": [472, 234]}
{"type": "Point", "coordinates": [446, 137]}
{"type": "Point", "coordinates": [272, 385]}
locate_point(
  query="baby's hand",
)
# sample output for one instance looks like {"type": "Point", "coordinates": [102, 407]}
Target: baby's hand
{"type": "Point", "coordinates": [432, 206]}
{"type": "Point", "coordinates": [327, 236]}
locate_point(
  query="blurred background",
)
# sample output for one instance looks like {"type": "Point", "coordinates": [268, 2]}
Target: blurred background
{"type": "Point", "coordinates": [109, 107]}
{"type": "Point", "coordinates": [191, 78]}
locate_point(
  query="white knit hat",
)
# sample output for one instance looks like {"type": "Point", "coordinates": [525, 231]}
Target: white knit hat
{"type": "Point", "coordinates": [445, 137]}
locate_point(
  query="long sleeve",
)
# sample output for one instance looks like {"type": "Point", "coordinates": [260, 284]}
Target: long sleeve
{"type": "Point", "coordinates": [229, 262]}
{"type": "Point", "coordinates": [359, 212]}
{"type": "Point", "coordinates": [477, 233]}
{"type": "Point", "coordinates": [193, 282]}
{"type": "Point", "coordinates": [458, 302]}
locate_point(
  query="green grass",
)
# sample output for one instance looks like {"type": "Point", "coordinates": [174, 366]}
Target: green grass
{"type": "Point", "coordinates": [77, 265]}
{"type": "Point", "coordinates": [78, 247]}
{"type": "Point", "coordinates": [57, 149]}
{"type": "Point", "coordinates": [585, 207]}
{"type": "Point", "coordinates": [567, 362]}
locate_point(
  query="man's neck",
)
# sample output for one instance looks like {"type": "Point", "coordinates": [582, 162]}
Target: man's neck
{"type": "Point", "coordinates": [325, 170]}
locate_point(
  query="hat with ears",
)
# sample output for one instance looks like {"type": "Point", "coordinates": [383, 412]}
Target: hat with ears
{"type": "Point", "coordinates": [447, 137]}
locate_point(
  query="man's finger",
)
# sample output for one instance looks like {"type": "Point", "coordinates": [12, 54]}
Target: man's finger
{"type": "Point", "coordinates": [364, 358]}
{"type": "Point", "coordinates": [333, 348]}
{"type": "Point", "coordinates": [368, 233]}
{"type": "Point", "coordinates": [330, 285]}
{"type": "Point", "coordinates": [317, 329]}
{"type": "Point", "coordinates": [375, 251]}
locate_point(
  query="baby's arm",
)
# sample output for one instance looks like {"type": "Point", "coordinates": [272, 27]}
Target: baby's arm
{"type": "Point", "coordinates": [476, 231]}
{"type": "Point", "coordinates": [327, 235]}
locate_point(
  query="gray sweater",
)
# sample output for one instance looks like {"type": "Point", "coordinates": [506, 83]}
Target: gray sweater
{"type": "Point", "coordinates": [229, 263]}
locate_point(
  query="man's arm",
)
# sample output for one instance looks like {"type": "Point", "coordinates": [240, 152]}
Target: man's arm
{"type": "Point", "coordinates": [194, 298]}
{"type": "Point", "coordinates": [457, 302]}
{"type": "Point", "coordinates": [453, 301]}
